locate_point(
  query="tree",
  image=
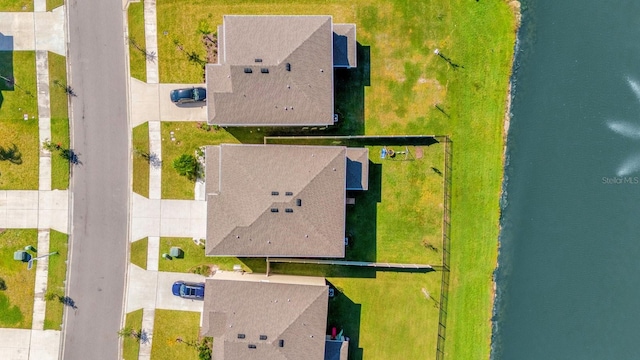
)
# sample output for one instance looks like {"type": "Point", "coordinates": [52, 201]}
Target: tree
{"type": "Point", "coordinates": [186, 165]}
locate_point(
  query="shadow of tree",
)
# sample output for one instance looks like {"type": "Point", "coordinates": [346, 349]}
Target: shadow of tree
{"type": "Point", "coordinates": [11, 154]}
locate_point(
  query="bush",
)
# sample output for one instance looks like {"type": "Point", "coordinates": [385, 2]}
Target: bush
{"type": "Point", "coordinates": [186, 165]}
{"type": "Point", "coordinates": [3, 284]}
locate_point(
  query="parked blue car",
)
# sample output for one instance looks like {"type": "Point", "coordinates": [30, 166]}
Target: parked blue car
{"type": "Point", "coordinates": [188, 290]}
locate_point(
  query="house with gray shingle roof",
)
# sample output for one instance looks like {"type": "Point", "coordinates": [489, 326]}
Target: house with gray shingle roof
{"type": "Point", "coordinates": [275, 318]}
{"type": "Point", "coordinates": [277, 70]}
{"type": "Point", "coordinates": [280, 200]}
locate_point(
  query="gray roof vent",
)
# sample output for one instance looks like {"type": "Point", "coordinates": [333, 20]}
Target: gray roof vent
{"type": "Point", "coordinates": [258, 60]}
{"type": "Point", "coordinates": [288, 66]}
{"type": "Point", "coordinates": [289, 193]}
{"type": "Point", "coordinates": [240, 336]}
{"type": "Point", "coordinates": [248, 70]}
{"type": "Point", "coordinates": [275, 193]}
{"type": "Point", "coordinates": [251, 346]}
{"type": "Point", "coordinates": [263, 337]}
{"type": "Point", "coordinates": [281, 343]}
{"type": "Point", "coordinates": [274, 210]}
{"type": "Point", "coordinates": [264, 70]}
{"type": "Point", "coordinates": [299, 202]}
{"type": "Point", "coordinates": [289, 210]}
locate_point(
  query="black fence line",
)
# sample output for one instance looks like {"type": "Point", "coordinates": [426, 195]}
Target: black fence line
{"type": "Point", "coordinates": [446, 233]}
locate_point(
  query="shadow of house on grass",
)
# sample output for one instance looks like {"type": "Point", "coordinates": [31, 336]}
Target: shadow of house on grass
{"type": "Point", "coordinates": [345, 315]}
{"type": "Point", "coordinates": [7, 80]}
{"type": "Point", "coordinates": [362, 218]}
{"type": "Point", "coordinates": [348, 86]}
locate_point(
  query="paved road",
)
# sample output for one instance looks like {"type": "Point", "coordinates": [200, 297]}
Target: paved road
{"type": "Point", "coordinates": [99, 185]}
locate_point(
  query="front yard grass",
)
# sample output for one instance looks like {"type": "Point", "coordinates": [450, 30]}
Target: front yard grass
{"type": "Point", "coordinates": [15, 132]}
{"type": "Point", "coordinates": [189, 137]}
{"type": "Point", "coordinates": [16, 5]}
{"type": "Point", "coordinates": [52, 4]}
{"type": "Point", "coordinates": [170, 325]}
{"type": "Point", "coordinates": [16, 302]}
{"type": "Point", "coordinates": [131, 347]}
{"type": "Point", "coordinates": [139, 252]}
{"type": "Point", "coordinates": [137, 59]}
{"type": "Point", "coordinates": [59, 119]}
{"type": "Point", "coordinates": [405, 82]}
{"type": "Point", "coordinates": [193, 258]}
{"type": "Point", "coordinates": [56, 278]}
{"type": "Point", "coordinates": [140, 139]}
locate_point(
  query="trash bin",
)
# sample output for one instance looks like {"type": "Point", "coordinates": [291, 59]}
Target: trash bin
{"type": "Point", "coordinates": [21, 255]}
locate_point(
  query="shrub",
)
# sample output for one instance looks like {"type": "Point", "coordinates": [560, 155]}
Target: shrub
{"type": "Point", "coordinates": [186, 165]}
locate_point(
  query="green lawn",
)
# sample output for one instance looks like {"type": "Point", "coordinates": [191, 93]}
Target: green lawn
{"type": "Point", "coordinates": [139, 252]}
{"type": "Point", "coordinates": [170, 325]}
{"type": "Point", "coordinates": [131, 347]}
{"type": "Point", "coordinates": [16, 302]}
{"type": "Point", "coordinates": [20, 173]}
{"type": "Point", "coordinates": [404, 80]}
{"type": "Point", "coordinates": [57, 276]}
{"type": "Point", "coordinates": [138, 64]}
{"type": "Point", "coordinates": [193, 257]}
{"type": "Point", "coordinates": [59, 119]}
{"type": "Point", "coordinates": [189, 136]}
{"type": "Point", "coordinates": [140, 139]}
{"type": "Point", "coordinates": [52, 4]}
{"type": "Point", "coordinates": [16, 5]}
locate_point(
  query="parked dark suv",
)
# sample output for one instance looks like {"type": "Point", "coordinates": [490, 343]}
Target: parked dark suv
{"type": "Point", "coordinates": [188, 290]}
{"type": "Point", "coordinates": [183, 96]}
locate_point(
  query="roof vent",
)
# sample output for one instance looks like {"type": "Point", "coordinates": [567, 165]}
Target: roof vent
{"type": "Point", "coordinates": [263, 337]}
{"type": "Point", "coordinates": [289, 193]}
{"type": "Point", "coordinates": [251, 346]}
{"type": "Point", "coordinates": [275, 193]}
{"type": "Point", "coordinates": [264, 70]}
{"type": "Point", "coordinates": [240, 336]}
{"type": "Point", "coordinates": [258, 60]}
{"type": "Point", "coordinates": [248, 70]}
{"type": "Point", "coordinates": [288, 66]}
{"type": "Point", "coordinates": [274, 210]}
{"type": "Point", "coordinates": [281, 343]}
{"type": "Point", "coordinates": [299, 202]}
{"type": "Point", "coordinates": [289, 210]}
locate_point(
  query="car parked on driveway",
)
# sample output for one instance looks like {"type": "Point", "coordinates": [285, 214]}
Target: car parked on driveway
{"type": "Point", "coordinates": [188, 290]}
{"type": "Point", "coordinates": [189, 95]}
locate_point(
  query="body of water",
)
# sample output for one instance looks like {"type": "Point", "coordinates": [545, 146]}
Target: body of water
{"type": "Point", "coordinates": [568, 283]}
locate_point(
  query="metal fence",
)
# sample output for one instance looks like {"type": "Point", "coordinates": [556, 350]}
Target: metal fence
{"type": "Point", "coordinates": [446, 233]}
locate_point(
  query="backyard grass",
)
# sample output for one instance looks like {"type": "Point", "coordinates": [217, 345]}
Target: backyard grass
{"type": "Point", "coordinates": [59, 119]}
{"type": "Point", "coordinates": [21, 171]}
{"type": "Point", "coordinates": [193, 257]}
{"type": "Point", "coordinates": [139, 252]}
{"type": "Point", "coordinates": [16, 5]}
{"type": "Point", "coordinates": [55, 280]}
{"type": "Point", "coordinates": [140, 139]}
{"type": "Point", "coordinates": [170, 325]}
{"type": "Point", "coordinates": [189, 137]}
{"type": "Point", "coordinates": [138, 63]}
{"type": "Point", "coordinates": [131, 347]}
{"type": "Point", "coordinates": [16, 302]}
{"type": "Point", "coordinates": [52, 4]}
{"type": "Point", "coordinates": [405, 81]}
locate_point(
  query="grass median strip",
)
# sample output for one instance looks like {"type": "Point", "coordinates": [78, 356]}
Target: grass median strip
{"type": "Point", "coordinates": [139, 252]}
{"type": "Point", "coordinates": [137, 42]}
{"type": "Point", "coordinates": [130, 346]}
{"type": "Point", "coordinates": [59, 119]}
{"type": "Point", "coordinates": [16, 296]}
{"type": "Point", "coordinates": [140, 139]}
{"type": "Point", "coordinates": [56, 279]}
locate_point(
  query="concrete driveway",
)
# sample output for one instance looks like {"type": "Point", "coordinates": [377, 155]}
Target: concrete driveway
{"type": "Point", "coordinates": [151, 102]}
{"type": "Point", "coordinates": [172, 218]}
{"type": "Point", "coordinates": [152, 290]}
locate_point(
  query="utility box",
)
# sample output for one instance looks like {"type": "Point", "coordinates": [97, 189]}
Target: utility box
{"type": "Point", "coordinates": [21, 255]}
{"type": "Point", "coordinates": [176, 252]}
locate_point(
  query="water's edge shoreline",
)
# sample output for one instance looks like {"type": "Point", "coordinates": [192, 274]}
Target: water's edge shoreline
{"type": "Point", "coordinates": [515, 6]}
